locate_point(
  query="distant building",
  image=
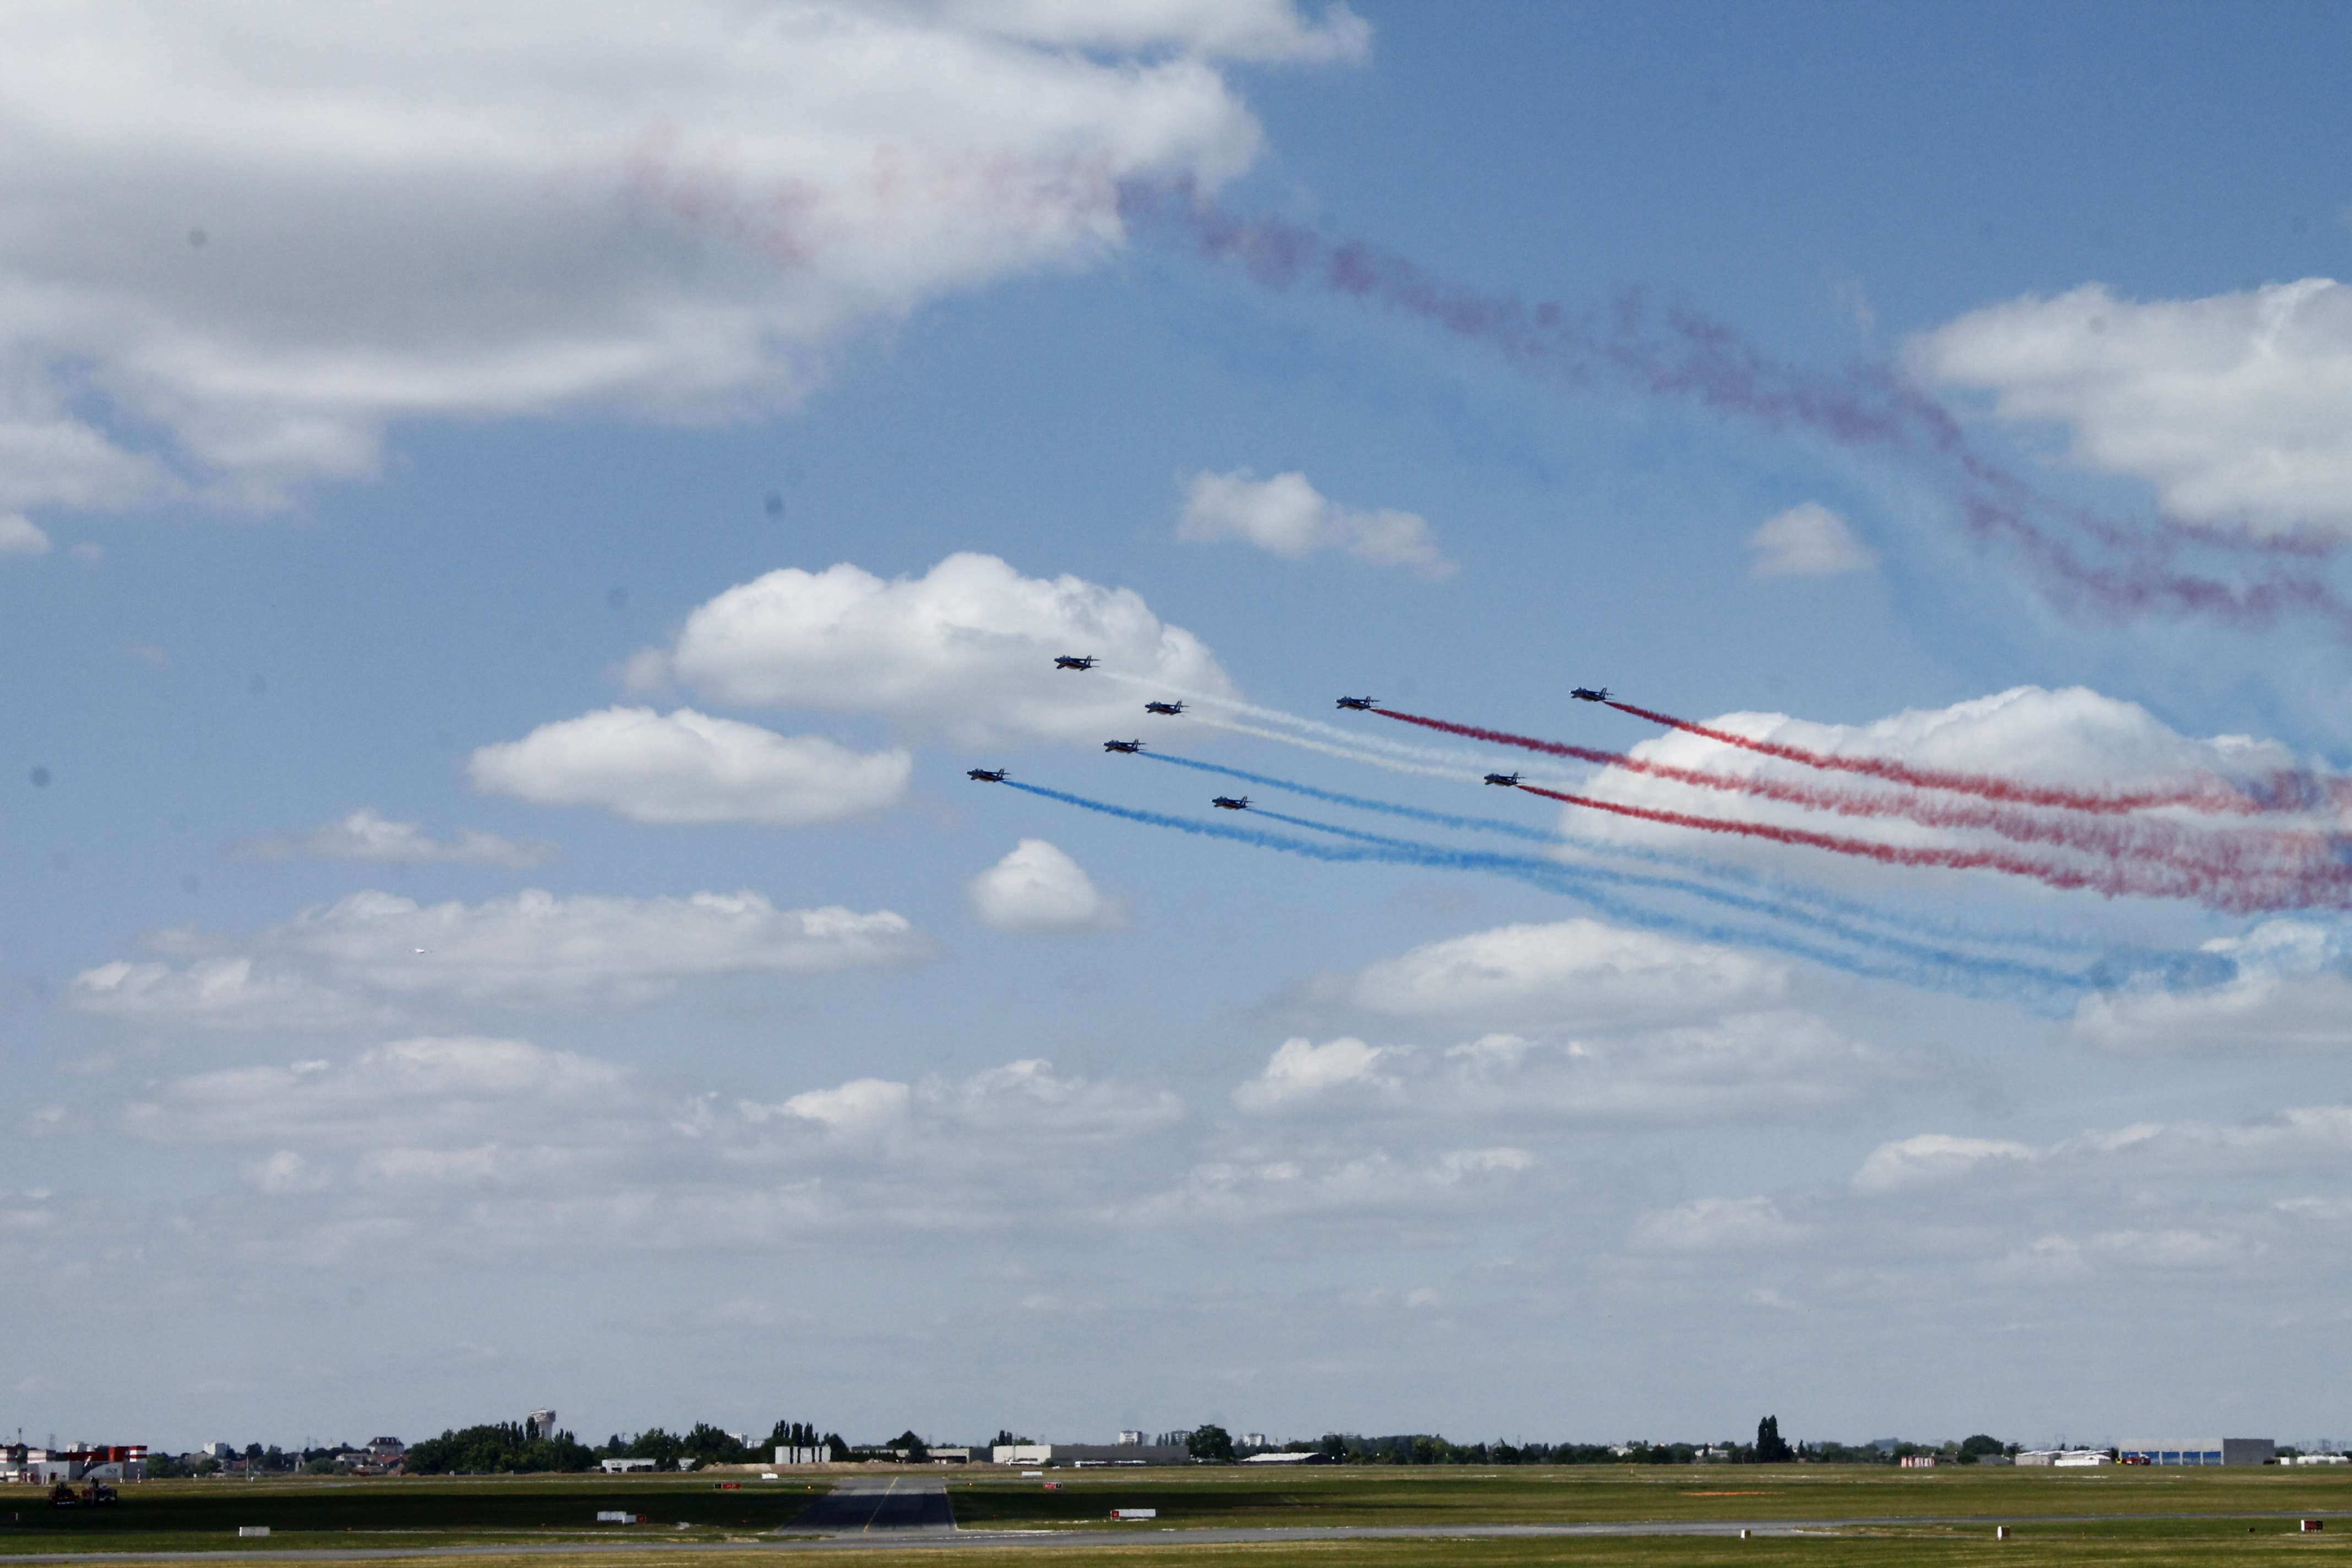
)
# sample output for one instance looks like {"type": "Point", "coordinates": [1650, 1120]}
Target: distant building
{"type": "Point", "coordinates": [219, 1450]}
{"type": "Point", "coordinates": [1255, 1440]}
{"type": "Point", "coordinates": [386, 1448]}
{"type": "Point", "coordinates": [82, 1462]}
{"type": "Point", "coordinates": [623, 1466]}
{"type": "Point", "coordinates": [1130, 1439]}
{"type": "Point", "coordinates": [539, 1426]}
{"type": "Point", "coordinates": [2198, 1450]}
{"type": "Point", "coordinates": [793, 1454]}
{"type": "Point", "coordinates": [1918, 1461]}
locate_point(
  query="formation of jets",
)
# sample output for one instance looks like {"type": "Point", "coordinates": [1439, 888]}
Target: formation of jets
{"type": "Point", "coordinates": [1241, 803]}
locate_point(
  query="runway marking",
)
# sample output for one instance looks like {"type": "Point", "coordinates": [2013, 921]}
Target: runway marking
{"type": "Point", "coordinates": [883, 1504]}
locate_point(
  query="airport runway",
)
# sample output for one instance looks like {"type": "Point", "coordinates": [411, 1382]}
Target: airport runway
{"type": "Point", "coordinates": [862, 1505]}
{"type": "Point", "coordinates": [876, 1515]}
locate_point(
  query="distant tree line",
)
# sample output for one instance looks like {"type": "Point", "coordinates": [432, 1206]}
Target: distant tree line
{"type": "Point", "coordinates": [503, 1447]}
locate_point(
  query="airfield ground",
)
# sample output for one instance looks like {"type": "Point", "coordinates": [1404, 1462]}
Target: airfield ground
{"type": "Point", "coordinates": [1590, 1516]}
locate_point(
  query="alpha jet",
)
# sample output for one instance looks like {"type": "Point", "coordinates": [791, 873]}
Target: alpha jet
{"type": "Point", "coordinates": [985, 775]}
{"type": "Point", "coordinates": [1169, 709]}
{"type": "Point", "coordinates": [1586, 694]}
{"type": "Point", "coordinates": [1230, 804]}
{"type": "Point", "coordinates": [1508, 781]}
{"type": "Point", "coordinates": [1072, 661]}
{"type": "Point", "coordinates": [1361, 704]}
{"type": "Point", "coordinates": [1131, 747]}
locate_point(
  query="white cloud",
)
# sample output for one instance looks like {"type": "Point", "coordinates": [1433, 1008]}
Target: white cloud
{"type": "Point", "coordinates": [1808, 540]}
{"type": "Point", "coordinates": [1289, 517]}
{"type": "Point", "coordinates": [2300, 1137]}
{"type": "Point", "coordinates": [1025, 1101]}
{"type": "Point", "coordinates": [1037, 888]}
{"type": "Point", "coordinates": [20, 537]}
{"type": "Point", "coordinates": [1932, 1157]}
{"type": "Point", "coordinates": [1268, 30]}
{"type": "Point", "coordinates": [689, 767]}
{"type": "Point", "coordinates": [367, 834]}
{"type": "Point", "coordinates": [375, 952]}
{"type": "Point", "coordinates": [1575, 973]}
{"type": "Point", "coordinates": [967, 649]}
{"type": "Point", "coordinates": [1716, 1225]}
{"type": "Point", "coordinates": [2289, 992]}
{"type": "Point", "coordinates": [267, 232]}
{"type": "Point", "coordinates": [427, 1090]}
{"type": "Point", "coordinates": [1300, 1069]}
{"type": "Point", "coordinates": [2233, 405]}
{"type": "Point", "coordinates": [1742, 1068]}
{"type": "Point", "coordinates": [2068, 738]}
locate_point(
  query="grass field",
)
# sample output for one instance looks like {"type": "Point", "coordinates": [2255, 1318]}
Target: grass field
{"type": "Point", "coordinates": [1374, 1495]}
{"type": "Point", "coordinates": [2247, 1515]}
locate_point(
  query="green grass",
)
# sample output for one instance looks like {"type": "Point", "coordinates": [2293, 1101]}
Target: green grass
{"type": "Point", "coordinates": [393, 1510]}
{"type": "Point", "coordinates": [1377, 1495]}
{"type": "Point", "coordinates": [491, 1512]}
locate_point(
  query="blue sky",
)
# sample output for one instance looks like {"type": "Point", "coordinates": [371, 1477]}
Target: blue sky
{"type": "Point", "coordinates": [511, 537]}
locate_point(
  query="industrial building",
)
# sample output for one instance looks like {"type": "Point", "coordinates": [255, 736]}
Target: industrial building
{"type": "Point", "coordinates": [539, 1426]}
{"type": "Point", "coordinates": [2198, 1450]}
{"type": "Point", "coordinates": [83, 1462]}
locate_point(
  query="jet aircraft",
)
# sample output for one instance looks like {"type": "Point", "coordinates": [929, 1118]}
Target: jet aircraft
{"type": "Point", "coordinates": [1509, 781]}
{"type": "Point", "coordinates": [1586, 694]}
{"type": "Point", "coordinates": [1171, 709]}
{"type": "Point", "coordinates": [1230, 804]}
{"type": "Point", "coordinates": [1361, 704]}
{"type": "Point", "coordinates": [1128, 746]}
{"type": "Point", "coordinates": [985, 775]}
{"type": "Point", "coordinates": [1072, 661]}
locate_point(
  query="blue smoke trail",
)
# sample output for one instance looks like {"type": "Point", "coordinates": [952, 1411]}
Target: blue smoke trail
{"type": "Point", "coordinates": [1773, 894]}
{"type": "Point", "coordinates": [1568, 881]}
{"type": "Point", "coordinates": [1563, 879]}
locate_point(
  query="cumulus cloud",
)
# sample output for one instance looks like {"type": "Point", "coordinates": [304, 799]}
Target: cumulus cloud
{"type": "Point", "coordinates": [2072, 737]}
{"type": "Point", "coordinates": [1037, 888]}
{"type": "Point", "coordinates": [1027, 1099]}
{"type": "Point", "coordinates": [967, 649]}
{"type": "Point", "coordinates": [1742, 1068]}
{"type": "Point", "coordinates": [20, 537]}
{"type": "Point", "coordinates": [1300, 1070]}
{"type": "Point", "coordinates": [2290, 989]}
{"type": "Point", "coordinates": [1807, 541]}
{"type": "Point", "coordinates": [687, 766]}
{"type": "Point", "coordinates": [373, 952]}
{"type": "Point", "coordinates": [1574, 973]}
{"type": "Point", "coordinates": [1264, 30]}
{"type": "Point", "coordinates": [2235, 406]}
{"type": "Point", "coordinates": [2300, 1137]}
{"type": "Point", "coordinates": [1716, 1225]}
{"type": "Point", "coordinates": [493, 1147]}
{"type": "Point", "coordinates": [1290, 518]}
{"type": "Point", "coordinates": [1932, 1157]}
{"type": "Point", "coordinates": [367, 834]}
{"type": "Point", "coordinates": [267, 236]}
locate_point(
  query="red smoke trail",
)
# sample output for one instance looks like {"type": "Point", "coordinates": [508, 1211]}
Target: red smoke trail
{"type": "Point", "coordinates": [2213, 796]}
{"type": "Point", "coordinates": [2242, 856]}
{"type": "Point", "coordinates": [1705, 361]}
{"type": "Point", "coordinates": [2109, 880]}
